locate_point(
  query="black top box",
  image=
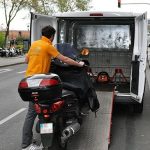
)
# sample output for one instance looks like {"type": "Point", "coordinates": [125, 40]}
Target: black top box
{"type": "Point", "coordinates": [41, 88]}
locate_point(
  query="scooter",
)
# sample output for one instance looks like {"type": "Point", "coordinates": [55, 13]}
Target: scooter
{"type": "Point", "coordinates": [59, 98]}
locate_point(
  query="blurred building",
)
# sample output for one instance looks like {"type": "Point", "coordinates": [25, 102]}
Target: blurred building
{"type": "Point", "coordinates": [14, 34]}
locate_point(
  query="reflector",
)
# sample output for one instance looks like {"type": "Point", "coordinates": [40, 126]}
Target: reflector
{"type": "Point", "coordinates": [45, 111]}
{"type": "Point", "coordinates": [48, 82]}
{"type": "Point", "coordinates": [37, 108]}
{"type": "Point", "coordinates": [46, 116]}
{"type": "Point", "coordinates": [56, 106]}
{"type": "Point", "coordinates": [23, 84]}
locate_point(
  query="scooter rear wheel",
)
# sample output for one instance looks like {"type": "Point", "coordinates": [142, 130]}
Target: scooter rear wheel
{"type": "Point", "coordinates": [62, 146]}
{"type": "Point", "coordinates": [57, 145]}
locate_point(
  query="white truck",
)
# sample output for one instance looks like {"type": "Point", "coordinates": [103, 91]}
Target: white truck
{"type": "Point", "coordinates": [117, 42]}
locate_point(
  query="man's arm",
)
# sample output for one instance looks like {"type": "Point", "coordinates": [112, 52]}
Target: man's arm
{"type": "Point", "coordinates": [69, 61]}
{"type": "Point", "coordinates": [26, 59]}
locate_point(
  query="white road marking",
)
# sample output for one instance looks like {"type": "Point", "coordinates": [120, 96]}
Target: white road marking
{"type": "Point", "coordinates": [22, 71]}
{"type": "Point", "coordinates": [12, 115]}
{"type": "Point", "coordinates": [5, 70]}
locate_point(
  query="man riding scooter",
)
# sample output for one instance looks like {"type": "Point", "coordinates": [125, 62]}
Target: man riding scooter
{"type": "Point", "coordinates": [39, 61]}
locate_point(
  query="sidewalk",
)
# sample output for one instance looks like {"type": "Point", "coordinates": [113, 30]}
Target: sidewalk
{"type": "Point", "coordinates": [8, 61]}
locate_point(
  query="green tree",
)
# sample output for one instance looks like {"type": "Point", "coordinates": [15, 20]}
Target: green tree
{"type": "Point", "coordinates": [41, 6]}
{"type": "Point", "coordinates": [11, 8]}
{"type": "Point", "coordinates": [2, 37]}
{"type": "Point", "coordinates": [71, 5]}
{"type": "Point", "coordinates": [51, 6]}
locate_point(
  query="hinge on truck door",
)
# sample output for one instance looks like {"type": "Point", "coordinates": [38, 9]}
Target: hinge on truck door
{"type": "Point", "coordinates": [33, 16]}
{"type": "Point", "coordinates": [137, 57]}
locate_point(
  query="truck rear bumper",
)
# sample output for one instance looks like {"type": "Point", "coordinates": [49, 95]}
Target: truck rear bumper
{"type": "Point", "coordinates": [124, 98]}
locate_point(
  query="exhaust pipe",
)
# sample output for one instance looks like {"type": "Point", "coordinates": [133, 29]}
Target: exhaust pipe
{"type": "Point", "coordinates": [69, 131]}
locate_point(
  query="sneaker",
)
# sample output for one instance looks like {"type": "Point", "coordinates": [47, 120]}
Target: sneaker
{"type": "Point", "coordinates": [33, 147]}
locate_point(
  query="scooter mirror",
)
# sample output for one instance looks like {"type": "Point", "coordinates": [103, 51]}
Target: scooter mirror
{"type": "Point", "coordinates": [85, 52]}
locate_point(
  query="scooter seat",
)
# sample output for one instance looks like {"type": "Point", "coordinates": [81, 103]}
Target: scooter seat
{"type": "Point", "coordinates": [72, 88]}
{"type": "Point", "coordinates": [67, 93]}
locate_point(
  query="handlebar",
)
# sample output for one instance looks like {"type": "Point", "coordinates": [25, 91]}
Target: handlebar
{"type": "Point", "coordinates": [58, 65]}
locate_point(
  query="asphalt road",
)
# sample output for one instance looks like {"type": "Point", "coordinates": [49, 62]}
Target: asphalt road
{"type": "Point", "coordinates": [12, 108]}
{"type": "Point", "coordinates": [129, 131]}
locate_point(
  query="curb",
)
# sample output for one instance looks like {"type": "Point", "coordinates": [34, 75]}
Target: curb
{"type": "Point", "coordinates": [13, 64]}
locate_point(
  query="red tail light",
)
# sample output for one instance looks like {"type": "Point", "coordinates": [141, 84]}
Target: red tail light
{"type": "Point", "coordinates": [23, 84]}
{"type": "Point", "coordinates": [48, 82]}
{"type": "Point", "coordinates": [56, 106]}
{"type": "Point", "coordinates": [37, 108]}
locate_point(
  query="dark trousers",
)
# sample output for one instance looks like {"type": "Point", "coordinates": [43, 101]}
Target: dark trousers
{"type": "Point", "coordinates": [28, 125]}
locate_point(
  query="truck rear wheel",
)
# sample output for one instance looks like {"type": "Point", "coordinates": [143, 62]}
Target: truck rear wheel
{"type": "Point", "coordinates": [138, 108]}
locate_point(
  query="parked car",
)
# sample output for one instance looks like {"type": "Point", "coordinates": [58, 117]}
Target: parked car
{"type": "Point", "coordinates": [1, 51]}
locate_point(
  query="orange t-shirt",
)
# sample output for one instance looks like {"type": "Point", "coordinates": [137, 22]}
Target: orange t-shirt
{"type": "Point", "coordinates": [39, 55]}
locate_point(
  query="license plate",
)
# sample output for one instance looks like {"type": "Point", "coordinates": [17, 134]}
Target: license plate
{"type": "Point", "coordinates": [46, 128]}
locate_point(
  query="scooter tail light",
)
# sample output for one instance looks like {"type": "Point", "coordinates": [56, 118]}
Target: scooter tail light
{"type": "Point", "coordinates": [23, 84]}
{"type": "Point", "coordinates": [48, 82]}
{"type": "Point", "coordinates": [45, 111]}
{"type": "Point", "coordinates": [46, 116]}
{"type": "Point", "coordinates": [57, 106]}
{"type": "Point", "coordinates": [37, 108]}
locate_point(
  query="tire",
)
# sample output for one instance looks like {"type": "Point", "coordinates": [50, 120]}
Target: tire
{"type": "Point", "coordinates": [57, 138]}
{"type": "Point", "coordinates": [61, 146]}
{"type": "Point", "coordinates": [138, 108]}
{"type": "Point", "coordinates": [37, 127]}
{"type": "Point", "coordinates": [57, 144]}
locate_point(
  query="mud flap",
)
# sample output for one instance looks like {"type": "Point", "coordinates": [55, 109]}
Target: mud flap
{"type": "Point", "coordinates": [47, 140]}
{"type": "Point", "coordinates": [47, 134]}
{"type": "Point", "coordinates": [93, 100]}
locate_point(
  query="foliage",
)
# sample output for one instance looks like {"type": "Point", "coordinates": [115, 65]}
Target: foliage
{"type": "Point", "coordinates": [52, 6]}
{"type": "Point", "coordinates": [71, 5]}
{"type": "Point", "coordinates": [19, 42]}
{"type": "Point", "coordinates": [20, 39]}
{"type": "Point", "coordinates": [2, 36]}
{"type": "Point", "coordinates": [11, 8]}
{"type": "Point", "coordinates": [41, 6]}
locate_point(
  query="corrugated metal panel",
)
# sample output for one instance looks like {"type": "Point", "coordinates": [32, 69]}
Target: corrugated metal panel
{"type": "Point", "coordinates": [109, 61]}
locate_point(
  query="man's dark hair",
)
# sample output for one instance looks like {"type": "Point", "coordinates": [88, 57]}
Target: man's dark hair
{"type": "Point", "coordinates": [48, 31]}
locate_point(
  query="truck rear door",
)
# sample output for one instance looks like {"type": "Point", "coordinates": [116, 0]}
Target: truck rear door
{"type": "Point", "coordinates": [139, 58]}
{"type": "Point", "coordinates": [38, 22]}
